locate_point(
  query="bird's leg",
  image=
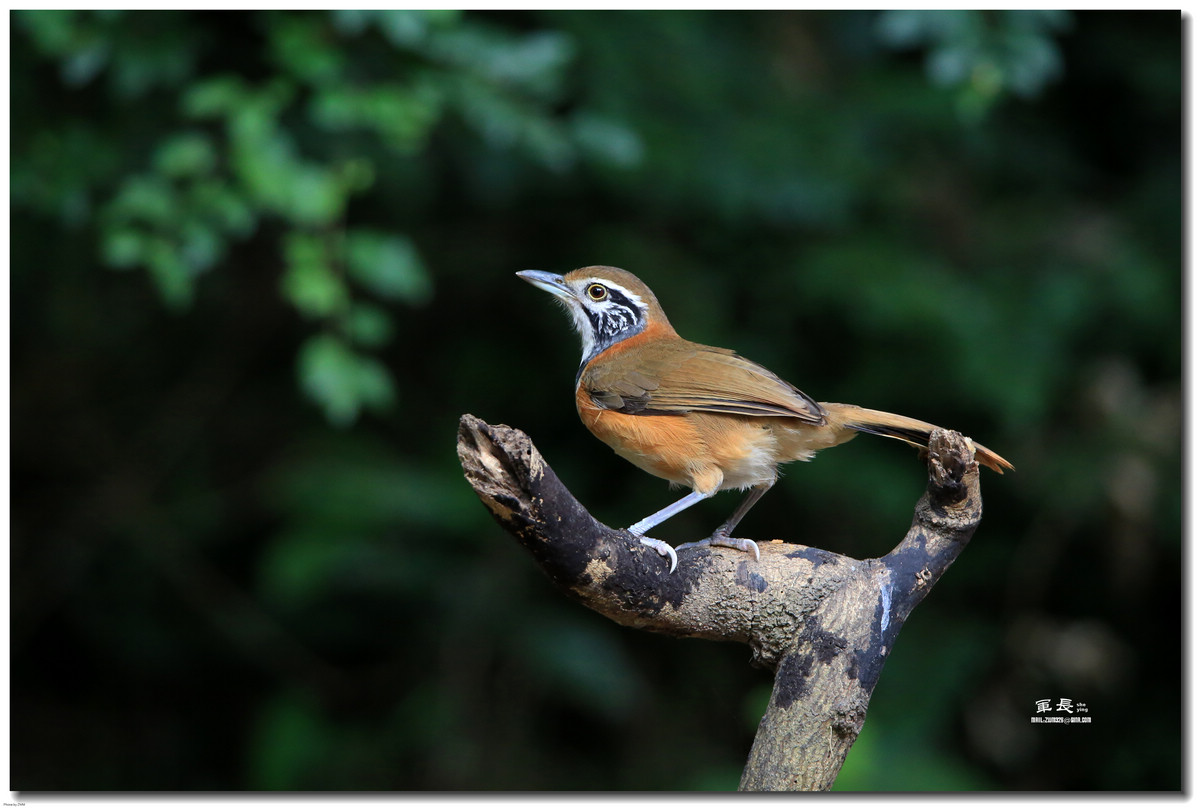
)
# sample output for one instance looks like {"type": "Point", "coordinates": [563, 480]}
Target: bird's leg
{"type": "Point", "coordinates": [721, 537]}
{"type": "Point", "coordinates": [646, 524]}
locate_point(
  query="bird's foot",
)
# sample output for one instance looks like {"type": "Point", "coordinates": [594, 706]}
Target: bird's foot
{"type": "Point", "coordinates": [662, 548]}
{"type": "Point", "coordinates": [719, 538]}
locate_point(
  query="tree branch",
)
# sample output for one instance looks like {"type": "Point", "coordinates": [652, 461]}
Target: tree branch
{"type": "Point", "coordinates": [823, 622]}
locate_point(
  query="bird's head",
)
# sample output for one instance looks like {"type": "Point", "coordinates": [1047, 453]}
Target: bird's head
{"type": "Point", "coordinates": [607, 304]}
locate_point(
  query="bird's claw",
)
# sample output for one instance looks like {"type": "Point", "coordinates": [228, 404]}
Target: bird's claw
{"type": "Point", "coordinates": [720, 539]}
{"type": "Point", "coordinates": [663, 549]}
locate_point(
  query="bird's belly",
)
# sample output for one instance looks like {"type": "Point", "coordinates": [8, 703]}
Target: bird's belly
{"type": "Point", "coordinates": [745, 448]}
{"type": "Point", "coordinates": [704, 451]}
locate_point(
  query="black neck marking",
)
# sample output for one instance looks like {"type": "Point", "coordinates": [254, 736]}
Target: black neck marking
{"type": "Point", "coordinates": [617, 319]}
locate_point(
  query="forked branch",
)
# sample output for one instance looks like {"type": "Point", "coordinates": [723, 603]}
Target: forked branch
{"type": "Point", "coordinates": [823, 622]}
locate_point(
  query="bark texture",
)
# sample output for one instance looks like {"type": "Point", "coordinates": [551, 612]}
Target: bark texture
{"type": "Point", "coordinates": [824, 623]}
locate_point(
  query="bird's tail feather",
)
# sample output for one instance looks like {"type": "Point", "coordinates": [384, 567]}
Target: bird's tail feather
{"type": "Point", "coordinates": [911, 431]}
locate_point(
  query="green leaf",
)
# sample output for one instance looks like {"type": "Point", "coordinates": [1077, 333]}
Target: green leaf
{"type": "Point", "coordinates": [315, 195]}
{"type": "Point", "coordinates": [200, 245]}
{"type": "Point", "coordinates": [356, 174]}
{"type": "Point", "coordinates": [375, 388]}
{"type": "Point", "coordinates": [55, 32]}
{"type": "Point", "coordinates": [401, 115]}
{"type": "Point", "coordinates": [341, 381]}
{"type": "Point", "coordinates": [214, 97]}
{"type": "Point", "coordinates": [310, 282]}
{"type": "Point", "coordinates": [85, 64]}
{"type": "Point", "coordinates": [123, 247]}
{"type": "Point", "coordinates": [170, 274]}
{"type": "Point", "coordinates": [533, 63]}
{"type": "Point", "coordinates": [951, 64]}
{"type": "Point", "coordinates": [388, 265]}
{"type": "Point", "coordinates": [186, 154]}
{"type": "Point", "coordinates": [147, 198]}
{"type": "Point", "coordinates": [406, 28]}
{"type": "Point", "coordinates": [327, 375]}
{"type": "Point", "coordinates": [403, 27]}
{"type": "Point", "coordinates": [608, 141]}
{"type": "Point", "coordinates": [367, 325]}
{"type": "Point", "coordinates": [219, 201]}
{"type": "Point", "coordinates": [300, 45]}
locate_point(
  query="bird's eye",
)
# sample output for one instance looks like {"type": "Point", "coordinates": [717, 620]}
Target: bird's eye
{"type": "Point", "coordinates": [597, 292]}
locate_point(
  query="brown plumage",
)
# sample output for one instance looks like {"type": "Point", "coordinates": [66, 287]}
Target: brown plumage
{"type": "Point", "coordinates": [697, 415]}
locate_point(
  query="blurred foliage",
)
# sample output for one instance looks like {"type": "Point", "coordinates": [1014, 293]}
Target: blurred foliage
{"type": "Point", "coordinates": [970, 217]}
{"type": "Point", "coordinates": [289, 142]}
{"type": "Point", "coordinates": [983, 54]}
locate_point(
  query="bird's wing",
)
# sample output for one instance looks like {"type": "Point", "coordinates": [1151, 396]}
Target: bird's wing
{"type": "Point", "coordinates": [690, 377]}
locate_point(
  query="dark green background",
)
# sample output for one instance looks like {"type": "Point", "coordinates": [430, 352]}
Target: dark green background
{"type": "Point", "coordinates": [261, 263]}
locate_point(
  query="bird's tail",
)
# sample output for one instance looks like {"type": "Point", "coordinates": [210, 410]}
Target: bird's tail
{"type": "Point", "coordinates": [911, 431]}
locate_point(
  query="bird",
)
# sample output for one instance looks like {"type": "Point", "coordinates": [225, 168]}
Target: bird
{"type": "Point", "coordinates": [699, 416]}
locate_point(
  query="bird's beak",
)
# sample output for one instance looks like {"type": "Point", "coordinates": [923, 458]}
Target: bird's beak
{"type": "Point", "coordinates": [550, 282]}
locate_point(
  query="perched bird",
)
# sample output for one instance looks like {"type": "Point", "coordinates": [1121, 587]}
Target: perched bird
{"type": "Point", "coordinates": [699, 416]}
